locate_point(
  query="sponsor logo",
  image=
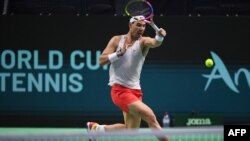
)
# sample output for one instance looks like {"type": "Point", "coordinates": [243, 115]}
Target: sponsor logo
{"type": "Point", "coordinates": [220, 71]}
{"type": "Point", "coordinates": [198, 121]}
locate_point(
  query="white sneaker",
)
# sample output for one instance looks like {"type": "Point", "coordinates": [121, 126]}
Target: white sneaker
{"type": "Point", "coordinates": [92, 127]}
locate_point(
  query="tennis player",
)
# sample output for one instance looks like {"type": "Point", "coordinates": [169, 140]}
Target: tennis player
{"type": "Point", "coordinates": [127, 53]}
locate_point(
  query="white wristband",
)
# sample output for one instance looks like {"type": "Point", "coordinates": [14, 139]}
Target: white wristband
{"type": "Point", "coordinates": [113, 57]}
{"type": "Point", "coordinates": [159, 38]}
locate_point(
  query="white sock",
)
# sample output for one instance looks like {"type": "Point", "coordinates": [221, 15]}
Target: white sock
{"type": "Point", "coordinates": [101, 128]}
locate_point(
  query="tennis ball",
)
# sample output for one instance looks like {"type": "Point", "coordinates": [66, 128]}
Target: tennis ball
{"type": "Point", "coordinates": [209, 62]}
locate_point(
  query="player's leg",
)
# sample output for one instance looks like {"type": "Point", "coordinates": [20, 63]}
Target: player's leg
{"type": "Point", "coordinates": [131, 121]}
{"type": "Point", "coordinates": [140, 109]}
{"type": "Point", "coordinates": [93, 127]}
{"type": "Point", "coordinates": [114, 127]}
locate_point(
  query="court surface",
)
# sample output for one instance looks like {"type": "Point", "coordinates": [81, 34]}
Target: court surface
{"type": "Point", "coordinates": [76, 134]}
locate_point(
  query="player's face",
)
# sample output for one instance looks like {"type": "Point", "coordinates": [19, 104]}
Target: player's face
{"type": "Point", "coordinates": [138, 28]}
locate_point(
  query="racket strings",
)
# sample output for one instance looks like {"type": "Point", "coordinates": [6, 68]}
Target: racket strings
{"type": "Point", "coordinates": [139, 8]}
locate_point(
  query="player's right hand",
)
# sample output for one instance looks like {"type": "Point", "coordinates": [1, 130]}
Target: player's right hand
{"type": "Point", "coordinates": [162, 32]}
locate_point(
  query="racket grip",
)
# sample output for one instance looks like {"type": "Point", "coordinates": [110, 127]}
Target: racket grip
{"type": "Point", "coordinates": [155, 27]}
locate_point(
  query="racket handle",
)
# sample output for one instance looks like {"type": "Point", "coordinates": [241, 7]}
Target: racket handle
{"type": "Point", "coordinates": [155, 27]}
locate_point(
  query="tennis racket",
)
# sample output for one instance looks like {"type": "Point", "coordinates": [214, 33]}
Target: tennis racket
{"type": "Point", "coordinates": [143, 8]}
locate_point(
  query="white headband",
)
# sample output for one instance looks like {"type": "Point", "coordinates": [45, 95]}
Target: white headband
{"type": "Point", "coordinates": [135, 18]}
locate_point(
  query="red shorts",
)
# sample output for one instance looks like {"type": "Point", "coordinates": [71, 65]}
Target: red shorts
{"type": "Point", "coordinates": [122, 96]}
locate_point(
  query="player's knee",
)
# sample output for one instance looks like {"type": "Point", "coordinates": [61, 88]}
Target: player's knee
{"type": "Point", "coordinates": [151, 119]}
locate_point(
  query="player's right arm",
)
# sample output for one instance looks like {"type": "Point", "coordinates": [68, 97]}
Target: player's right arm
{"type": "Point", "coordinates": [154, 42]}
{"type": "Point", "coordinates": [109, 54]}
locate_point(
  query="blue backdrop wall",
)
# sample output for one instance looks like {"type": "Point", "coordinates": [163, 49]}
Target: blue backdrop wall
{"type": "Point", "coordinates": [49, 66]}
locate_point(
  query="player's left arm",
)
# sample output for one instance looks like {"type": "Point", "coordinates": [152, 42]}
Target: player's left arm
{"type": "Point", "coordinates": [154, 42]}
